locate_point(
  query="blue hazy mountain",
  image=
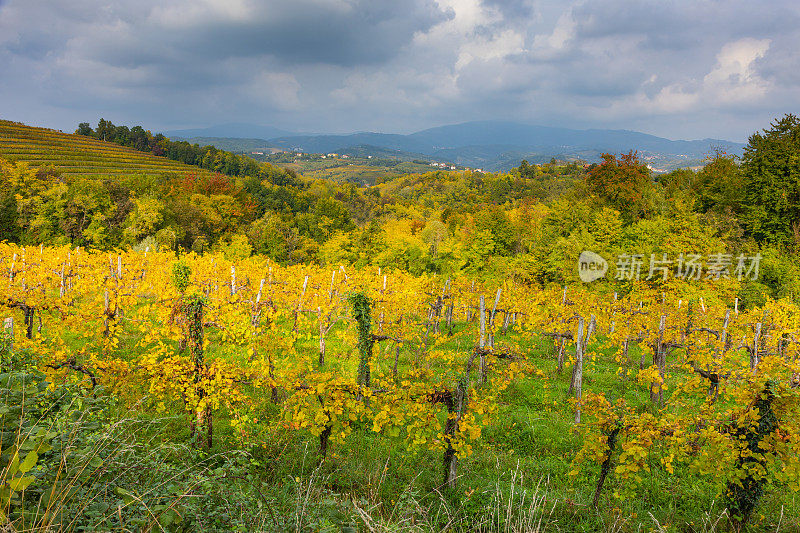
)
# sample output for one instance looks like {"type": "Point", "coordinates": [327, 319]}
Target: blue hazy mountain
{"type": "Point", "coordinates": [491, 145]}
{"type": "Point", "coordinates": [237, 130]}
{"type": "Point", "coordinates": [518, 135]}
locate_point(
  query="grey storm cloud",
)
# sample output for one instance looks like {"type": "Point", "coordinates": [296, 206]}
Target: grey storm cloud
{"type": "Point", "coordinates": [682, 26]}
{"type": "Point", "coordinates": [513, 10]}
{"type": "Point", "coordinates": [681, 69]}
{"type": "Point", "coordinates": [339, 33]}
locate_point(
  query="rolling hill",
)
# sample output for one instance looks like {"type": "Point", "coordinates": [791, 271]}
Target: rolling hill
{"type": "Point", "coordinates": [79, 155]}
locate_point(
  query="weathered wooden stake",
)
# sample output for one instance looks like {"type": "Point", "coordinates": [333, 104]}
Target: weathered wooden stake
{"type": "Point", "coordinates": [577, 381]}
{"type": "Point", "coordinates": [469, 308]}
{"type": "Point", "coordinates": [724, 337]}
{"type": "Point", "coordinates": [491, 318]}
{"type": "Point", "coordinates": [257, 308]}
{"type": "Point", "coordinates": [383, 305]}
{"type": "Point", "coordinates": [561, 346]}
{"type": "Point", "coordinates": [659, 359]}
{"type": "Point", "coordinates": [300, 304]}
{"type": "Point", "coordinates": [482, 343]}
{"type": "Point", "coordinates": [396, 359]}
{"type": "Point", "coordinates": [449, 316]}
{"type": "Point", "coordinates": [61, 288]}
{"type": "Point", "coordinates": [321, 338]}
{"type": "Point", "coordinates": [8, 333]}
{"type": "Point", "coordinates": [589, 332]}
{"type": "Point", "coordinates": [754, 355]}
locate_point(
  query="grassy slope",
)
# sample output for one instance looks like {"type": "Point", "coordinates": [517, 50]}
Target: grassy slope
{"type": "Point", "coordinates": [78, 155]}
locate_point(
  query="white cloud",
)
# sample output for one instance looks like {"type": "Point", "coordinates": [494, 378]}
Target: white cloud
{"type": "Point", "coordinates": [731, 80]}
{"type": "Point", "coordinates": [546, 46]}
{"type": "Point", "coordinates": [734, 79]}
{"type": "Point", "coordinates": [495, 47]}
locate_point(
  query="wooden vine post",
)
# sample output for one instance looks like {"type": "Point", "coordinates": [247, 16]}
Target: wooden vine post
{"type": "Point", "coordinates": [659, 360]}
{"type": "Point", "coordinates": [560, 358]}
{"type": "Point", "coordinates": [326, 321]}
{"type": "Point", "coordinates": [577, 375]}
{"type": "Point", "coordinates": [491, 318]}
{"type": "Point", "coordinates": [8, 334]}
{"type": "Point", "coordinates": [482, 341]}
{"type": "Point", "coordinates": [299, 306]}
{"type": "Point", "coordinates": [256, 323]}
{"type": "Point", "coordinates": [449, 312]}
{"type": "Point", "coordinates": [724, 338]}
{"type": "Point", "coordinates": [440, 306]}
{"type": "Point", "coordinates": [562, 345]}
{"type": "Point", "coordinates": [574, 381]}
{"type": "Point", "coordinates": [383, 304]}
{"type": "Point", "coordinates": [754, 355]}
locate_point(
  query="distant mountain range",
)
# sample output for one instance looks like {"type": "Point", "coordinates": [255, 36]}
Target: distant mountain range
{"type": "Point", "coordinates": [235, 130]}
{"type": "Point", "coordinates": [490, 145]}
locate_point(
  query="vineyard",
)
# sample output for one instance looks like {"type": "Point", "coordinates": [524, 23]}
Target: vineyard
{"type": "Point", "coordinates": [356, 398]}
{"type": "Point", "coordinates": [78, 155]}
{"type": "Point", "coordinates": [356, 168]}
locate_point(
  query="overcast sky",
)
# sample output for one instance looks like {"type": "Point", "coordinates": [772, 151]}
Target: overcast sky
{"type": "Point", "coordinates": [690, 69]}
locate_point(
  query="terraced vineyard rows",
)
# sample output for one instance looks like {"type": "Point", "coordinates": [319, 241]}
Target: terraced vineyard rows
{"type": "Point", "coordinates": [79, 155]}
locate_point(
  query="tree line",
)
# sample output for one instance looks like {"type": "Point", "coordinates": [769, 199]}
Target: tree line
{"type": "Point", "coordinates": [530, 223]}
{"type": "Point", "coordinates": [206, 157]}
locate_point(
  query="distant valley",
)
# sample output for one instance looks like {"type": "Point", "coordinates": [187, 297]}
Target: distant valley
{"type": "Point", "coordinates": [487, 145]}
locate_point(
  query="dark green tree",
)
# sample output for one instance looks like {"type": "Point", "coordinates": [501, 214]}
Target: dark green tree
{"type": "Point", "coordinates": [85, 129]}
{"type": "Point", "coordinates": [719, 185]}
{"type": "Point", "coordinates": [8, 217]}
{"type": "Point", "coordinates": [105, 130]}
{"type": "Point", "coordinates": [771, 169]}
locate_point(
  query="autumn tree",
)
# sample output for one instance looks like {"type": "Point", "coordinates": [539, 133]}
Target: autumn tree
{"type": "Point", "coordinates": [623, 183]}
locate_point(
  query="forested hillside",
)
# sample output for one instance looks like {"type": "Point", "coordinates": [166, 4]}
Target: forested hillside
{"type": "Point", "coordinates": [525, 224]}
